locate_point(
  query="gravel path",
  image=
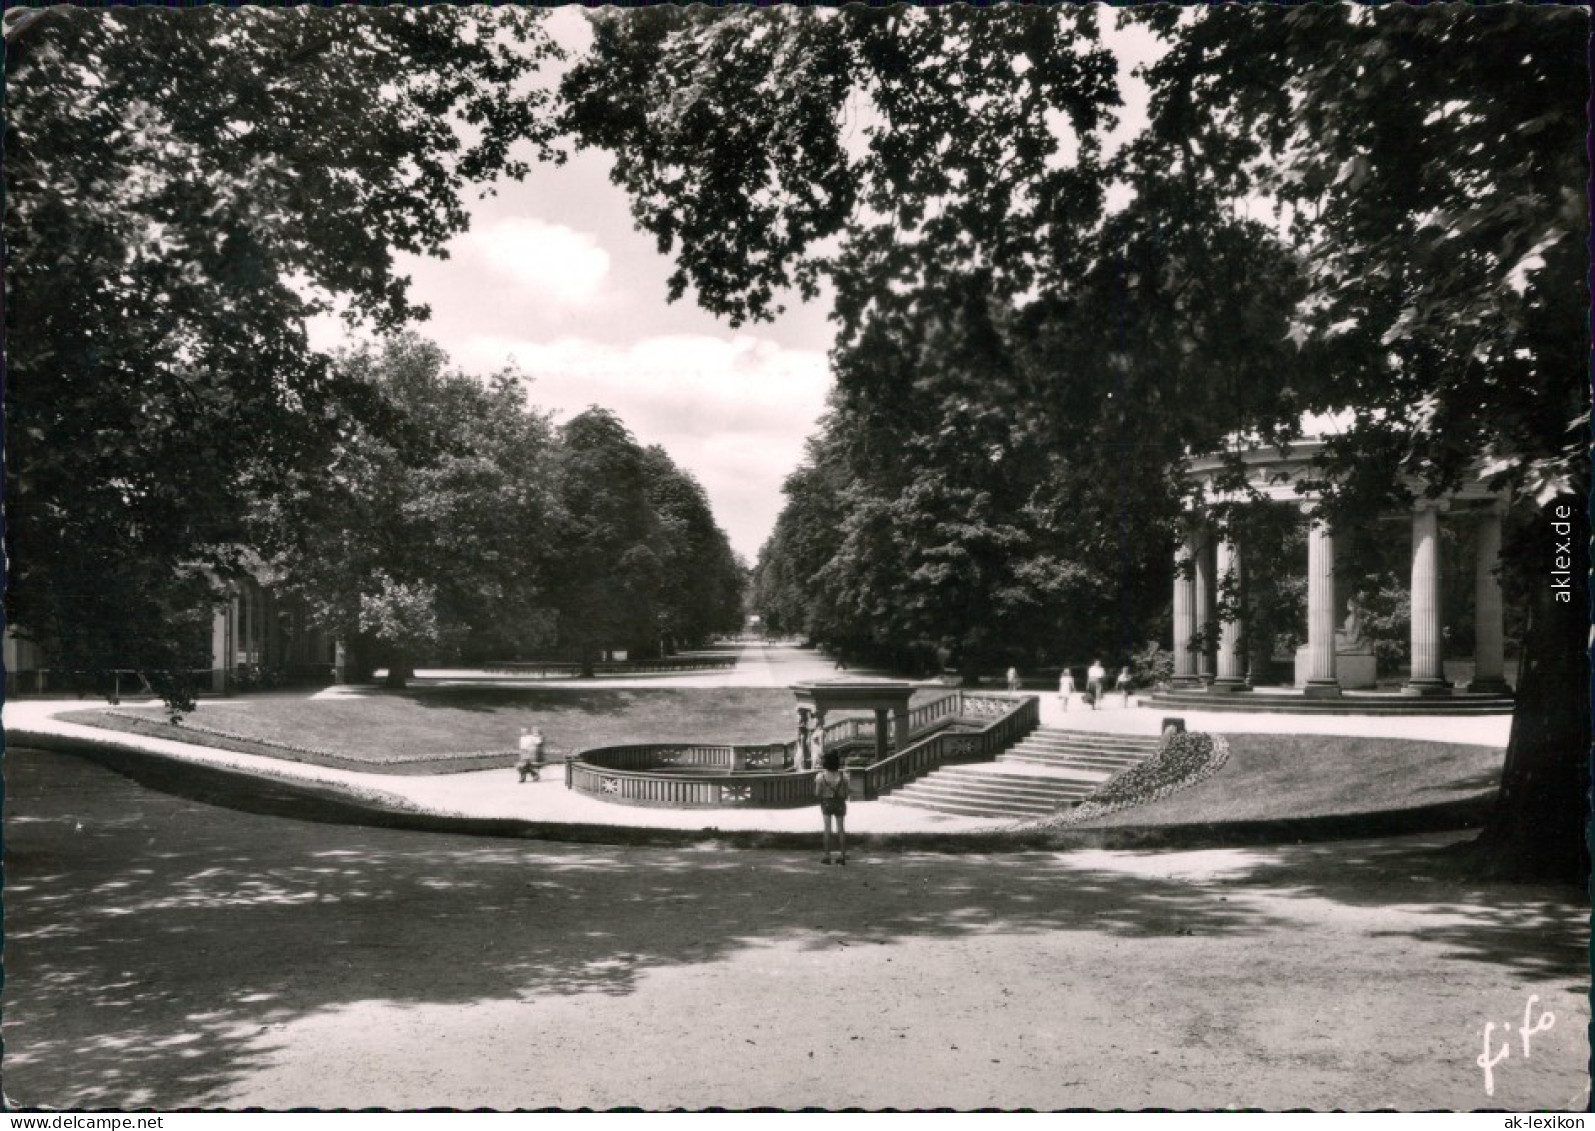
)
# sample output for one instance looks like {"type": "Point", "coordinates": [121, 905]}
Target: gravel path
{"type": "Point", "coordinates": [167, 953]}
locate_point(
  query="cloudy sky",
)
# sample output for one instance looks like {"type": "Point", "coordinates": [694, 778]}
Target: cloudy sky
{"type": "Point", "coordinates": [554, 276]}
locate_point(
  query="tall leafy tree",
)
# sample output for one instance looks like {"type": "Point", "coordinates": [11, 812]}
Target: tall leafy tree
{"type": "Point", "coordinates": [769, 150]}
{"type": "Point", "coordinates": [1426, 275]}
{"type": "Point", "coordinates": [431, 536]}
{"type": "Point", "coordinates": [807, 535]}
{"type": "Point", "coordinates": [1431, 164]}
{"type": "Point", "coordinates": [184, 189]}
{"type": "Point", "coordinates": [702, 581]}
{"type": "Point", "coordinates": [611, 553]}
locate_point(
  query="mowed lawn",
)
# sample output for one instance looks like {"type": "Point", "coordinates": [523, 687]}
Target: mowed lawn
{"type": "Point", "coordinates": [444, 730]}
{"type": "Point", "coordinates": [434, 730]}
{"type": "Point", "coordinates": [1292, 775]}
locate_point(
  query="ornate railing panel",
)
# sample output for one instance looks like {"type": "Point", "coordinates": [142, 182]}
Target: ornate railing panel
{"type": "Point", "coordinates": [660, 787]}
{"type": "Point", "coordinates": [1015, 719]}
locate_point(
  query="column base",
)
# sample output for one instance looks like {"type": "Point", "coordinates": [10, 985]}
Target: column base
{"type": "Point", "coordinates": [1488, 686]}
{"type": "Point", "coordinates": [1426, 687]}
{"type": "Point", "coordinates": [1186, 682]}
{"type": "Point", "coordinates": [1228, 685]}
{"type": "Point", "coordinates": [1321, 689]}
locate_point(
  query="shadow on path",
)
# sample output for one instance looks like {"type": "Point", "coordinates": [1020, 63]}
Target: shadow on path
{"type": "Point", "coordinates": [153, 944]}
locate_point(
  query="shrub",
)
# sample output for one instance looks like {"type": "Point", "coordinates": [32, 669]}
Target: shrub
{"type": "Point", "coordinates": [1152, 666]}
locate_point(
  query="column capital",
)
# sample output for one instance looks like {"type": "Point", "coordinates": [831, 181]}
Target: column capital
{"type": "Point", "coordinates": [1313, 511]}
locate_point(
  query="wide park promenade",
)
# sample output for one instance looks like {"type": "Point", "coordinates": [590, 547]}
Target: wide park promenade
{"type": "Point", "coordinates": [168, 947]}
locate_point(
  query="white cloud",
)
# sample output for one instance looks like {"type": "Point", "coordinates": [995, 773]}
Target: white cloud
{"type": "Point", "coordinates": [558, 264]}
{"type": "Point", "coordinates": [733, 411]}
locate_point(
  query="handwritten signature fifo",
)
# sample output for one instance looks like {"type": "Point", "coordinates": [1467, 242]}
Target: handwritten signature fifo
{"type": "Point", "coordinates": [1488, 1059]}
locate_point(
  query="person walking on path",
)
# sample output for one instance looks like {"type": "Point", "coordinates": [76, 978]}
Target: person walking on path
{"type": "Point", "coordinates": [1066, 687]}
{"type": "Point", "coordinates": [530, 761]}
{"type": "Point", "coordinates": [830, 786]}
{"type": "Point", "coordinates": [1095, 676]}
{"type": "Point", "coordinates": [1122, 686]}
{"type": "Point", "coordinates": [1013, 679]}
{"type": "Point", "coordinates": [801, 756]}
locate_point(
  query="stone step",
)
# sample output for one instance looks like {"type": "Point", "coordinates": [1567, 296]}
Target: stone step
{"type": "Point", "coordinates": [1093, 737]}
{"type": "Point", "coordinates": [963, 808]}
{"type": "Point", "coordinates": [1025, 774]}
{"type": "Point", "coordinates": [1089, 733]}
{"type": "Point", "coordinates": [1051, 769]}
{"type": "Point", "coordinates": [1071, 758]}
{"type": "Point", "coordinates": [991, 804]}
{"type": "Point", "coordinates": [990, 791]}
{"type": "Point", "coordinates": [1082, 750]}
{"type": "Point", "coordinates": [1345, 705]}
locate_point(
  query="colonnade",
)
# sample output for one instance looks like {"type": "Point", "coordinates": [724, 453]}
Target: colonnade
{"type": "Point", "coordinates": [1205, 564]}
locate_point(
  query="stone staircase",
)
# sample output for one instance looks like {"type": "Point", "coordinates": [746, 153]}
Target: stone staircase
{"type": "Point", "coordinates": [1050, 770]}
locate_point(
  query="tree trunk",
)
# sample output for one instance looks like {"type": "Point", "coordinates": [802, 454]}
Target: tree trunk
{"type": "Point", "coordinates": [399, 672]}
{"type": "Point", "coordinates": [1538, 828]}
{"type": "Point", "coordinates": [358, 661]}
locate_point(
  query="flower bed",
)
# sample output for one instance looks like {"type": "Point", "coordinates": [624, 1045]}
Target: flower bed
{"type": "Point", "coordinates": [1181, 761]}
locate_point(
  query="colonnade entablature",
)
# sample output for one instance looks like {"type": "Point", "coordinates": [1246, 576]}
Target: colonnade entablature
{"type": "Point", "coordinates": [1207, 646]}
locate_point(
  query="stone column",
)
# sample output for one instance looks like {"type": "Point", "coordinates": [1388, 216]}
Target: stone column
{"type": "Point", "coordinates": [1184, 612]}
{"type": "Point", "coordinates": [1489, 658]}
{"type": "Point", "coordinates": [218, 651]}
{"type": "Point", "coordinates": [1428, 643]}
{"type": "Point", "coordinates": [900, 726]}
{"type": "Point", "coordinates": [1321, 680]}
{"type": "Point", "coordinates": [1227, 566]}
{"type": "Point", "coordinates": [1202, 613]}
{"type": "Point", "coordinates": [880, 733]}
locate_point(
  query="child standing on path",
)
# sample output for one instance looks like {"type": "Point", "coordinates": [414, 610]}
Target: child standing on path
{"type": "Point", "coordinates": [830, 786]}
{"type": "Point", "coordinates": [1066, 687]}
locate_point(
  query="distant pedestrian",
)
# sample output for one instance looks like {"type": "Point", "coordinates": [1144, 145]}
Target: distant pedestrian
{"type": "Point", "coordinates": [801, 755]}
{"type": "Point", "coordinates": [530, 762]}
{"type": "Point", "coordinates": [830, 786]}
{"type": "Point", "coordinates": [1122, 686]}
{"type": "Point", "coordinates": [1066, 687]}
{"type": "Point", "coordinates": [1096, 675]}
{"type": "Point", "coordinates": [1013, 679]}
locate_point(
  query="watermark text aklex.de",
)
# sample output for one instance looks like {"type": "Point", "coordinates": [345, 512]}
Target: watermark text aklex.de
{"type": "Point", "coordinates": [1562, 563]}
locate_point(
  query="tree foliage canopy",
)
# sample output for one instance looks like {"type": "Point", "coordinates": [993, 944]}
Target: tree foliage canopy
{"type": "Point", "coordinates": [428, 536]}
{"type": "Point", "coordinates": [944, 171]}
{"type": "Point", "coordinates": [184, 189]}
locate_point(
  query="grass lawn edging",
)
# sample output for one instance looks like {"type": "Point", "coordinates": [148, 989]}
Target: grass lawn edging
{"type": "Point", "coordinates": [330, 803]}
{"type": "Point", "coordinates": [127, 722]}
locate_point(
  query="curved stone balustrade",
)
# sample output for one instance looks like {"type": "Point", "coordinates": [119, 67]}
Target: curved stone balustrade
{"type": "Point", "coordinates": [956, 728]}
{"type": "Point", "coordinates": [692, 776]}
